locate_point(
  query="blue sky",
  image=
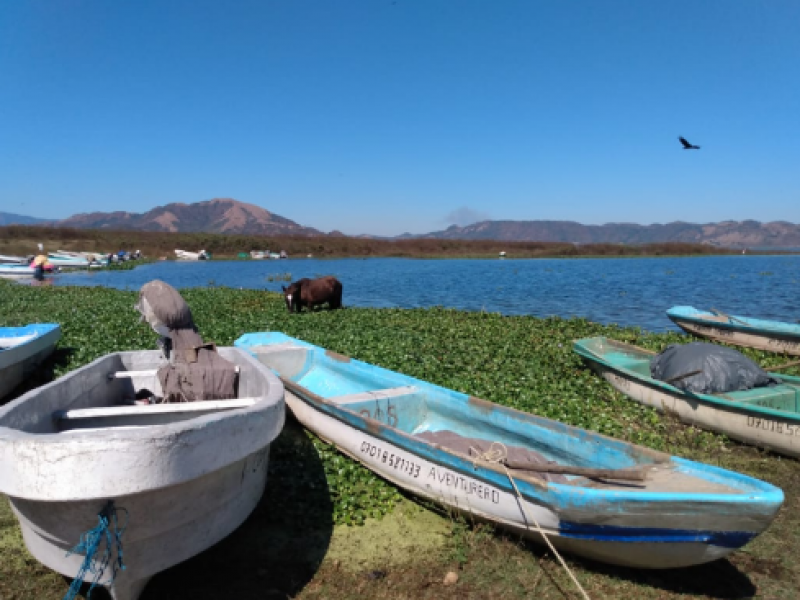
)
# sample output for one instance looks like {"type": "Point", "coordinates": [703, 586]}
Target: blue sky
{"type": "Point", "coordinates": [396, 116]}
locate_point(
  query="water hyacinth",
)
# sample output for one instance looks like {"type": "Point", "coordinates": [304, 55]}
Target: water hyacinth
{"type": "Point", "coordinates": [523, 362]}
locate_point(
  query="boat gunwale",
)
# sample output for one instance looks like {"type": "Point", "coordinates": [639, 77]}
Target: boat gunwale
{"type": "Point", "coordinates": [749, 325]}
{"type": "Point", "coordinates": [720, 400]}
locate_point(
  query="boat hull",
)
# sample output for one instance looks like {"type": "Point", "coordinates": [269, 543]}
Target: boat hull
{"type": "Point", "coordinates": [17, 363]}
{"type": "Point", "coordinates": [180, 489]}
{"type": "Point", "coordinates": [492, 504]}
{"type": "Point", "coordinates": [772, 342]}
{"type": "Point", "coordinates": [683, 515]}
{"type": "Point", "coordinates": [192, 516]}
{"type": "Point", "coordinates": [781, 434]}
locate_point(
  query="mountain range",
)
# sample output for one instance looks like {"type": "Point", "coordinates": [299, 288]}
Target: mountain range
{"type": "Point", "coordinates": [226, 215]}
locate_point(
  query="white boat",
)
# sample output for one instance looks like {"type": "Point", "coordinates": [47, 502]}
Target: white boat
{"type": "Point", "coordinates": [184, 255]}
{"type": "Point", "coordinates": [94, 258]}
{"type": "Point", "coordinates": [5, 258]}
{"type": "Point", "coordinates": [16, 270]}
{"type": "Point", "coordinates": [22, 349]}
{"type": "Point", "coordinates": [184, 475]}
{"type": "Point", "coordinates": [258, 254]}
{"type": "Point", "coordinates": [68, 261]}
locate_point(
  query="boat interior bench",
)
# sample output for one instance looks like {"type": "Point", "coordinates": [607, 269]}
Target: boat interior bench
{"type": "Point", "coordinates": [401, 407]}
{"type": "Point", "coordinates": [139, 415]}
{"type": "Point", "coordinates": [780, 397]}
{"type": "Point", "coordinates": [153, 414]}
{"type": "Point", "coordinates": [637, 365]}
{"type": "Point", "coordinates": [396, 393]}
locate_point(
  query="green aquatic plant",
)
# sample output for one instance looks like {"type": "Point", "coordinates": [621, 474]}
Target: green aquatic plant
{"type": "Point", "coordinates": [523, 362]}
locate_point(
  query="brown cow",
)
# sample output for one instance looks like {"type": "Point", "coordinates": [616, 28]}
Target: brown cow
{"type": "Point", "coordinates": [313, 292]}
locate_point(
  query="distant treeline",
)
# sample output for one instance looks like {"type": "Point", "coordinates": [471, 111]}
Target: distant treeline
{"type": "Point", "coordinates": [23, 240]}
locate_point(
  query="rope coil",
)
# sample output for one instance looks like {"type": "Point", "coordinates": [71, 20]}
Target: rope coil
{"type": "Point", "coordinates": [107, 530]}
{"type": "Point", "coordinates": [497, 454]}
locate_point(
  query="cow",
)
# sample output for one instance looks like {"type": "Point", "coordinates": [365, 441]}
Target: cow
{"type": "Point", "coordinates": [313, 292]}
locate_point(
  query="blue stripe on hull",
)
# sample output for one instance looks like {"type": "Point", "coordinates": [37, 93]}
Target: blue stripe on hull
{"type": "Point", "coordinates": [610, 533]}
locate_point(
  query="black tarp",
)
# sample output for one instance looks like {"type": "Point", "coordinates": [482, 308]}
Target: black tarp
{"type": "Point", "coordinates": [708, 369]}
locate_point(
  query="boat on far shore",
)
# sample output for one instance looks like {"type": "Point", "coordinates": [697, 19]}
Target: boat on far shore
{"type": "Point", "coordinates": [68, 261]}
{"type": "Point", "coordinates": [762, 334]}
{"type": "Point", "coordinates": [185, 255]}
{"type": "Point", "coordinates": [7, 259]}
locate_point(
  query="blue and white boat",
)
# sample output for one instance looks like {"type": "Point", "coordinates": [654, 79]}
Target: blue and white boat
{"type": "Point", "coordinates": [68, 261]}
{"type": "Point", "coordinates": [595, 496]}
{"type": "Point", "coordinates": [763, 334]}
{"type": "Point", "coordinates": [16, 270]}
{"type": "Point", "coordinates": [22, 349]}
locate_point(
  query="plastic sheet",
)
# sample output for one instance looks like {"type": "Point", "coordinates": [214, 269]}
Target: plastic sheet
{"type": "Point", "coordinates": [704, 368]}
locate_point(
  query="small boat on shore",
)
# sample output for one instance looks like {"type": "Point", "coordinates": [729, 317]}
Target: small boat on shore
{"type": "Point", "coordinates": [8, 259]}
{"type": "Point", "coordinates": [763, 334]}
{"type": "Point", "coordinates": [16, 270]}
{"type": "Point", "coordinates": [767, 417]}
{"type": "Point", "coordinates": [601, 498]}
{"type": "Point", "coordinates": [68, 261]}
{"type": "Point", "coordinates": [184, 255]}
{"type": "Point", "coordinates": [22, 349]}
{"type": "Point", "coordinates": [178, 478]}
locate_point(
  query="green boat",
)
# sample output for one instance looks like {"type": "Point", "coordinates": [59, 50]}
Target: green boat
{"type": "Point", "coordinates": [767, 417]}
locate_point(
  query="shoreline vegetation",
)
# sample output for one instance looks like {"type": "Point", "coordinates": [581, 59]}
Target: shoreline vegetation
{"type": "Point", "coordinates": [23, 240]}
{"type": "Point", "coordinates": [328, 528]}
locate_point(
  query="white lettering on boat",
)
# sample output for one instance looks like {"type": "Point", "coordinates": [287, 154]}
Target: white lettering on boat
{"type": "Point", "coordinates": [395, 461]}
{"type": "Point", "coordinates": [465, 484]}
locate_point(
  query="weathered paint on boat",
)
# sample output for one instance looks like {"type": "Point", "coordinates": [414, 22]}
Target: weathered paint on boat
{"type": "Point", "coordinates": [763, 334]}
{"type": "Point", "coordinates": [767, 417]}
{"type": "Point", "coordinates": [686, 513]}
{"type": "Point", "coordinates": [22, 349]}
{"type": "Point", "coordinates": [185, 481]}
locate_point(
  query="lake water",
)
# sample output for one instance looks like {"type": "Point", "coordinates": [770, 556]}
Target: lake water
{"type": "Point", "coordinates": [628, 291]}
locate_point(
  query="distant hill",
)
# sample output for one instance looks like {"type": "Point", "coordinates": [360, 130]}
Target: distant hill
{"type": "Point", "coordinates": [226, 215]}
{"type": "Point", "coordinates": [729, 234]}
{"type": "Point", "coordinates": [220, 215]}
{"type": "Point", "coordinates": [12, 219]}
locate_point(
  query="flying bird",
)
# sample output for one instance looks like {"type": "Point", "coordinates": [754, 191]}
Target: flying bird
{"type": "Point", "coordinates": [687, 145]}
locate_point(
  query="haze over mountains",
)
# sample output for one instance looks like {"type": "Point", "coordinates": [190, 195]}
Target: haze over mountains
{"type": "Point", "coordinates": [225, 215]}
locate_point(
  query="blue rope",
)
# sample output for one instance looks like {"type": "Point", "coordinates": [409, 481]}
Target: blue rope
{"type": "Point", "coordinates": [108, 530]}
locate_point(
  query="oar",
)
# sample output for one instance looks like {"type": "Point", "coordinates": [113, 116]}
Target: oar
{"type": "Point", "coordinates": [793, 363]}
{"type": "Point", "coordinates": [621, 474]}
{"type": "Point", "coordinates": [678, 377]}
{"type": "Point", "coordinates": [722, 314]}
